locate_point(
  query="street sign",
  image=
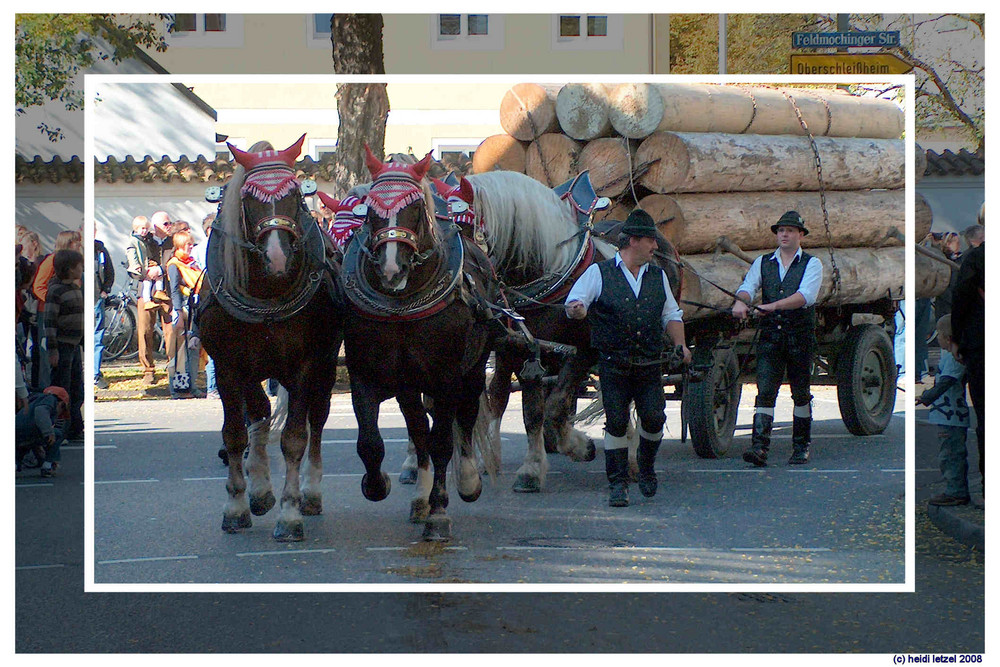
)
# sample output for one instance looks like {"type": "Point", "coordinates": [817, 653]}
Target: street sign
{"type": "Point", "coordinates": [847, 63]}
{"type": "Point", "coordinates": [829, 40]}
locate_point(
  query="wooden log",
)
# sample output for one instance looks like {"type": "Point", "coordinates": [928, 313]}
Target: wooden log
{"type": "Point", "coordinates": [582, 109]}
{"type": "Point", "coordinates": [553, 158]}
{"type": "Point", "coordinates": [666, 214]}
{"type": "Point", "coordinates": [618, 211]}
{"type": "Point", "coordinates": [857, 219]}
{"type": "Point", "coordinates": [528, 110]}
{"type": "Point", "coordinates": [714, 162]}
{"type": "Point", "coordinates": [608, 161]}
{"type": "Point", "coordinates": [923, 217]}
{"type": "Point", "coordinates": [701, 107]}
{"type": "Point", "coordinates": [866, 275]}
{"type": "Point", "coordinates": [636, 109]}
{"type": "Point", "coordinates": [500, 151]}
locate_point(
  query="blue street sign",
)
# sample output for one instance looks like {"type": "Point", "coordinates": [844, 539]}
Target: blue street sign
{"type": "Point", "coordinates": [828, 40]}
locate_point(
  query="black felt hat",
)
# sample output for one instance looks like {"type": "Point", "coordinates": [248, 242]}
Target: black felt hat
{"type": "Point", "coordinates": [790, 219]}
{"type": "Point", "coordinates": [640, 223]}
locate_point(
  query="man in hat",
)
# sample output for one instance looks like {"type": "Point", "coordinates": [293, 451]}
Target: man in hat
{"type": "Point", "coordinates": [789, 280]}
{"type": "Point", "coordinates": [629, 303]}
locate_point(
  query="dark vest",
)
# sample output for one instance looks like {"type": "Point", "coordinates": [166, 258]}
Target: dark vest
{"type": "Point", "coordinates": [800, 322]}
{"type": "Point", "coordinates": [625, 328]}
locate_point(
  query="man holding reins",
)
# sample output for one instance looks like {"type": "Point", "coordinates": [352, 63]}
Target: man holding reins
{"type": "Point", "coordinates": [789, 280]}
{"type": "Point", "coordinates": [629, 304]}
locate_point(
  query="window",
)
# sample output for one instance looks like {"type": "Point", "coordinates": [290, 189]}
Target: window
{"type": "Point", "coordinates": [318, 30]}
{"type": "Point", "coordinates": [455, 151]}
{"type": "Point", "coordinates": [597, 32]}
{"type": "Point", "coordinates": [467, 32]}
{"type": "Point", "coordinates": [206, 31]}
{"type": "Point", "coordinates": [321, 148]}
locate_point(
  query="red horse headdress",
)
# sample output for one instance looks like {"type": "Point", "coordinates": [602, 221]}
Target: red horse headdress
{"type": "Point", "coordinates": [345, 221]}
{"type": "Point", "coordinates": [270, 174]}
{"type": "Point", "coordinates": [394, 185]}
{"type": "Point", "coordinates": [460, 199]}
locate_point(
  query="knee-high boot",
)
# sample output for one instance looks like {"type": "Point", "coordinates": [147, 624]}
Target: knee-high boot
{"type": "Point", "coordinates": [616, 466]}
{"type": "Point", "coordinates": [646, 456]}
{"type": "Point", "coordinates": [760, 440]}
{"type": "Point", "coordinates": [801, 438]}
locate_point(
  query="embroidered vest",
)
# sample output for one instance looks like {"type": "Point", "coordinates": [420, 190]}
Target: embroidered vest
{"type": "Point", "coordinates": [625, 328]}
{"type": "Point", "coordinates": [800, 322]}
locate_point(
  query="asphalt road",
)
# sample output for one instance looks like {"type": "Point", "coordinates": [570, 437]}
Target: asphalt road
{"type": "Point", "coordinates": [839, 519]}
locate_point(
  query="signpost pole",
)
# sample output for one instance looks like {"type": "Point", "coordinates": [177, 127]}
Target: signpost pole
{"type": "Point", "coordinates": [722, 44]}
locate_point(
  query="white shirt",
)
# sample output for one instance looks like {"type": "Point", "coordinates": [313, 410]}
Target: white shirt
{"type": "Point", "coordinates": [588, 288]}
{"type": "Point", "coordinates": [811, 279]}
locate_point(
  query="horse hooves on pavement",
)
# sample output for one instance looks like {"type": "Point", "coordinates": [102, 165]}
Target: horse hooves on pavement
{"type": "Point", "coordinates": [437, 528]}
{"type": "Point", "coordinates": [376, 492]}
{"type": "Point", "coordinates": [591, 451]}
{"type": "Point", "coordinates": [289, 532]}
{"type": "Point", "coordinates": [311, 506]}
{"type": "Point", "coordinates": [234, 524]}
{"type": "Point", "coordinates": [261, 505]}
{"type": "Point", "coordinates": [408, 476]}
{"type": "Point", "coordinates": [472, 497]}
{"type": "Point", "coordinates": [420, 509]}
{"type": "Point", "coordinates": [527, 484]}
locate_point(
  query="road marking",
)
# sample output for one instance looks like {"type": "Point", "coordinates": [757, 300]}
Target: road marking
{"type": "Point", "coordinates": [39, 567]}
{"type": "Point", "coordinates": [145, 560]}
{"type": "Point", "coordinates": [801, 470]}
{"type": "Point", "coordinates": [203, 479]}
{"type": "Point", "coordinates": [128, 481]}
{"type": "Point", "coordinates": [728, 470]}
{"type": "Point", "coordinates": [285, 552]}
{"type": "Point", "coordinates": [70, 448]}
{"type": "Point", "coordinates": [780, 549]}
{"type": "Point", "coordinates": [407, 548]}
{"type": "Point", "coordinates": [28, 486]}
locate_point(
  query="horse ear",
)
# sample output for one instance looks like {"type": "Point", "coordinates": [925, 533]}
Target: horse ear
{"type": "Point", "coordinates": [290, 154]}
{"type": "Point", "coordinates": [375, 165]}
{"type": "Point", "coordinates": [442, 188]}
{"type": "Point", "coordinates": [421, 168]}
{"type": "Point", "coordinates": [328, 201]}
{"type": "Point", "coordinates": [465, 191]}
{"type": "Point", "coordinates": [241, 157]}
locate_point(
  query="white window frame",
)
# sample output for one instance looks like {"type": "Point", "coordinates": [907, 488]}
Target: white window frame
{"type": "Point", "coordinates": [230, 38]}
{"type": "Point", "coordinates": [316, 40]}
{"type": "Point", "coordinates": [449, 144]}
{"type": "Point", "coordinates": [614, 41]}
{"type": "Point", "coordinates": [492, 41]}
{"type": "Point", "coordinates": [313, 146]}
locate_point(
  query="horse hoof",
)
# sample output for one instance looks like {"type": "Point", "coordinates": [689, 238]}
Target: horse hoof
{"type": "Point", "coordinates": [472, 497]}
{"type": "Point", "coordinates": [591, 451]}
{"type": "Point", "coordinates": [527, 484]}
{"type": "Point", "coordinates": [311, 506]}
{"type": "Point", "coordinates": [437, 528]}
{"type": "Point", "coordinates": [419, 510]}
{"type": "Point", "coordinates": [376, 492]}
{"type": "Point", "coordinates": [289, 532]}
{"type": "Point", "coordinates": [234, 524]}
{"type": "Point", "coordinates": [261, 505]}
{"type": "Point", "coordinates": [408, 476]}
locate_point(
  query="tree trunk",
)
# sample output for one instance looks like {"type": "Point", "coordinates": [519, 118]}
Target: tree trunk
{"type": "Point", "coordinates": [713, 162]}
{"type": "Point", "coordinates": [528, 110]}
{"type": "Point", "coordinates": [666, 214]}
{"type": "Point", "coordinates": [362, 108]}
{"type": "Point", "coordinates": [608, 161]}
{"type": "Point", "coordinates": [500, 151]}
{"type": "Point", "coordinates": [582, 109]}
{"type": "Point", "coordinates": [858, 219]}
{"type": "Point", "coordinates": [865, 275]}
{"type": "Point", "coordinates": [553, 159]}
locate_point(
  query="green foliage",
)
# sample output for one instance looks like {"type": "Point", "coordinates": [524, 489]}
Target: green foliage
{"type": "Point", "coordinates": [756, 43]}
{"type": "Point", "coordinates": [51, 49]}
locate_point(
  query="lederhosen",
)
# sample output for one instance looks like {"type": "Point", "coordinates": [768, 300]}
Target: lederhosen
{"type": "Point", "coordinates": [628, 334]}
{"type": "Point", "coordinates": [787, 338]}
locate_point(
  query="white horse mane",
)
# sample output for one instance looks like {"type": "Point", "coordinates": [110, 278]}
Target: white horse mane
{"type": "Point", "coordinates": [525, 221]}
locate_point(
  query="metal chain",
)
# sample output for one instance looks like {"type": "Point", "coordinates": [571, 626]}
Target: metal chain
{"type": "Point", "coordinates": [822, 188]}
{"type": "Point", "coordinates": [753, 113]}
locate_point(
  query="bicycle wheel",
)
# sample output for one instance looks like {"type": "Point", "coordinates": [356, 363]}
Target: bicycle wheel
{"type": "Point", "coordinates": [119, 332]}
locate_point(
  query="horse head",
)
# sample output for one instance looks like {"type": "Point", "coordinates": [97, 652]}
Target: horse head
{"type": "Point", "coordinates": [271, 208]}
{"type": "Point", "coordinates": [399, 213]}
{"type": "Point", "coordinates": [349, 213]}
{"type": "Point", "coordinates": [459, 199]}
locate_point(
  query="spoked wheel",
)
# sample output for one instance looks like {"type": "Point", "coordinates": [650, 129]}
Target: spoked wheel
{"type": "Point", "coordinates": [711, 405]}
{"type": "Point", "coordinates": [866, 380]}
{"type": "Point", "coordinates": [118, 334]}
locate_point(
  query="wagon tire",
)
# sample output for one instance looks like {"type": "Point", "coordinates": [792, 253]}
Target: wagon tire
{"type": "Point", "coordinates": [711, 405]}
{"type": "Point", "coordinates": [866, 380]}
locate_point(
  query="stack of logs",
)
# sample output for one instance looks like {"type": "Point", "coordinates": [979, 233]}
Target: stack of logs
{"type": "Point", "coordinates": [710, 161]}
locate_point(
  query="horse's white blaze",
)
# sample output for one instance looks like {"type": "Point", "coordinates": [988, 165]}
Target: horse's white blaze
{"type": "Point", "coordinates": [275, 254]}
{"type": "Point", "coordinates": [258, 463]}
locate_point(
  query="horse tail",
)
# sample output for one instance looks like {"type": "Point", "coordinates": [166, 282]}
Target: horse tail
{"type": "Point", "coordinates": [279, 416]}
{"type": "Point", "coordinates": [485, 444]}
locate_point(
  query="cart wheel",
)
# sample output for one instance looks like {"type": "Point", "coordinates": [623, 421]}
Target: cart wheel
{"type": "Point", "coordinates": [866, 380]}
{"type": "Point", "coordinates": [711, 405]}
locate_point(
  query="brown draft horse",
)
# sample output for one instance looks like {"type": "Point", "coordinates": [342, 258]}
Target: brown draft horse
{"type": "Point", "coordinates": [536, 240]}
{"type": "Point", "coordinates": [271, 310]}
{"type": "Point", "coordinates": [415, 326]}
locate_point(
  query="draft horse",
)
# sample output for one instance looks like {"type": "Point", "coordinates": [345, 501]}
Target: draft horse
{"type": "Point", "coordinates": [540, 241]}
{"type": "Point", "coordinates": [416, 325]}
{"type": "Point", "coordinates": [273, 310]}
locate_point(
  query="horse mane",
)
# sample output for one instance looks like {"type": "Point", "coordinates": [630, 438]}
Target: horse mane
{"type": "Point", "coordinates": [234, 265]}
{"type": "Point", "coordinates": [525, 222]}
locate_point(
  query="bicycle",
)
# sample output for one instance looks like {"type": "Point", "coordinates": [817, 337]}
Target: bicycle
{"type": "Point", "coordinates": [121, 338]}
